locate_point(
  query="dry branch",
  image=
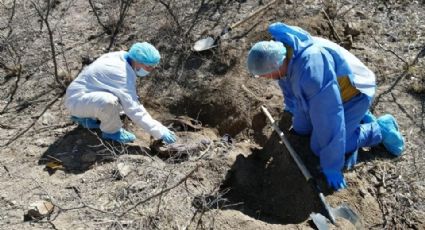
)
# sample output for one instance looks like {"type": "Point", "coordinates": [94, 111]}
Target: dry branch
{"type": "Point", "coordinates": [45, 19]}
{"type": "Point", "coordinates": [405, 73]}
{"type": "Point", "coordinates": [161, 192]}
{"type": "Point", "coordinates": [14, 90]}
{"type": "Point", "coordinates": [195, 18]}
{"type": "Point", "coordinates": [124, 7]}
{"type": "Point", "coordinates": [12, 14]}
{"type": "Point", "coordinates": [105, 28]}
{"type": "Point", "coordinates": [17, 136]}
{"type": "Point", "coordinates": [331, 24]}
{"type": "Point", "coordinates": [170, 11]}
{"type": "Point", "coordinates": [160, 197]}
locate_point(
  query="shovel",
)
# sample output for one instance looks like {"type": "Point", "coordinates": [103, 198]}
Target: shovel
{"type": "Point", "coordinates": [319, 220]}
{"type": "Point", "coordinates": [209, 42]}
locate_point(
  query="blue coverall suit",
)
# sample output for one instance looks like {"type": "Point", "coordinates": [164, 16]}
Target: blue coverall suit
{"type": "Point", "coordinates": [312, 94]}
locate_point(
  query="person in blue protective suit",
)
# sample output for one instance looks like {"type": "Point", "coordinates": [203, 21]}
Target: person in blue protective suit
{"type": "Point", "coordinates": [328, 91]}
{"type": "Point", "coordinates": [108, 86]}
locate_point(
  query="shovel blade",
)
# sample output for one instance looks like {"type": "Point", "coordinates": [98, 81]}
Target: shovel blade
{"type": "Point", "coordinates": [343, 211]}
{"type": "Point", "coordinates": [320, 221]}
{"type": "Point", "coordinates": [347, 213]}
{"type": "Point", "coordinates": [204, 44]}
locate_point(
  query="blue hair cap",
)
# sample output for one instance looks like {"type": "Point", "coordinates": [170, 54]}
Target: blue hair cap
{"type": "Point", "coordinates": [266, 57]}
{"type": "Point", "coordinates": [144, 53]}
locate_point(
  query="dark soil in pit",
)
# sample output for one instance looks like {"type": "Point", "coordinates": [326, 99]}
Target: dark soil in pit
{"type": "Point", "coordinates": [268, 186]}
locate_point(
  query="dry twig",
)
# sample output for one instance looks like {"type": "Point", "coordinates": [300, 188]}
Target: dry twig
{"type": "Point", "coordinates": [45, 20]}
{"type": "Point", "coordinates": [161, 192]}
{"type": "Point", "coordinates": [405, 73]}
{"type": "Point", "coordinates": [171, 12]}
{"type": "Point", "coordinates": [105, 28]}
{"type": "Point", "coordinates": [17, 136]}
{"type": "Point", "coordinates": [331, 24]}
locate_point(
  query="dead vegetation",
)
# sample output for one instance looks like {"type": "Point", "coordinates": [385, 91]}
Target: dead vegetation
{"type": "Point", "coordinates": [228, 172]}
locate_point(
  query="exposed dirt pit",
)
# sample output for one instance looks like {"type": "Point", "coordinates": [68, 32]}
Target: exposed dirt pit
{"type": "Point", "coordinates": [264, 182]}
{"type": "Point", "coordinates": [267, 185]}
{"type": "Point", "coordinates": [229, 105]}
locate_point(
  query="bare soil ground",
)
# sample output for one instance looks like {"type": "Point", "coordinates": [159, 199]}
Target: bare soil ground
{"type": "Point", "coordinates": [233, 173]}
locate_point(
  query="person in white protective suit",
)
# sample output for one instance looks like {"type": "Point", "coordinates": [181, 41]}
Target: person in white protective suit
{"type": "Point", "coordinates": [108, 86]}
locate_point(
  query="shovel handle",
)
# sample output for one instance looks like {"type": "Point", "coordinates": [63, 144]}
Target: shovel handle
{"type": "Point", "coordinates": [300, 164]}
{"type": "Point", "coordinates": [291, 150]}
{"type": "Point", "coordinates": [252, 15]}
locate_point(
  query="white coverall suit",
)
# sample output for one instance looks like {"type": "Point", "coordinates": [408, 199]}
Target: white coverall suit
{"type": "Point", "coordinates": [106, 87]}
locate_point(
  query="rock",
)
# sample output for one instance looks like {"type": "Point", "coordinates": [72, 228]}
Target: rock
{"type": "Point", "coordinates": [98, 6]}
{"type": "Point", "coordinates": [47, 118]}
{"type": "Point", "coordinates": [39, 210]}
{"type": "Point", "coordinates": [122, 171]}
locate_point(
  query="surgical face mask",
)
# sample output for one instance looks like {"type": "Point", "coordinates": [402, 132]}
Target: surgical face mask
{"type": "Point", "coordinates": [142, 72]}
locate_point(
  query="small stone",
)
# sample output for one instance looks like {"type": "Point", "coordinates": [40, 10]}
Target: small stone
{"type": "Point", "coordinates": [98, 6]}
{"type": "Point", "coordinates": [47, 118]}
{"type": "Point", "coordinates": [39, 210]}
{"type": "Point", "coordinates": [122, 171]}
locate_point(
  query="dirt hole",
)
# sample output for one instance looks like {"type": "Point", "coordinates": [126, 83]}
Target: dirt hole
{"type": "Point", "coordinates": [267, 184]}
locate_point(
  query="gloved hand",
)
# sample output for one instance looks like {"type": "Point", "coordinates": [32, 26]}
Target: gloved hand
{"type": "Point", "coordinates": [351, 160]}
{"type": "Point", "coordinates": [369, 118]}
{"type": "Point", "coordinates": [335, 179]}
{"type": "Point", "coordinates": [168, 137]}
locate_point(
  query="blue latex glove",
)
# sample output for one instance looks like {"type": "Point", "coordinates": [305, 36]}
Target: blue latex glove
{"type": "Point", "coordinates": [168, 136]}
{"type": "Point", "coordinates": [335, 179]}
{"type": "Point", "coordinates": [351, 160]}
{"type": "Point", "coordinates": [369, 117]}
